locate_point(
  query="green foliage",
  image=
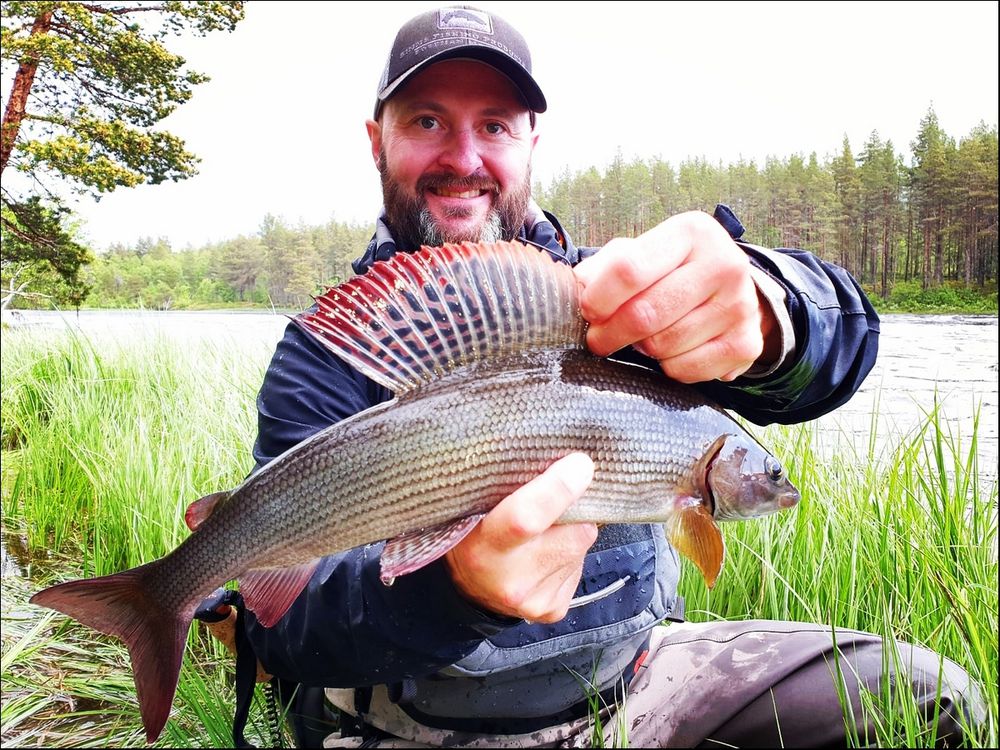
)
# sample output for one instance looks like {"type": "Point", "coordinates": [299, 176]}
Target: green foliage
{"type": "Point", "coordinates": [950, 297]}
{"type": "Point", "coordinates": [38, 250]}
{"type": "Point", "coordinates": [89, 81]}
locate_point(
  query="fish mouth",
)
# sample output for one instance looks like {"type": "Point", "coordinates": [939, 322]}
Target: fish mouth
{"type": "Point", "coordinates": [789, 499]}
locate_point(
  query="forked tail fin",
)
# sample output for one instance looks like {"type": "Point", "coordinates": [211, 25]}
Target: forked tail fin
{"type": "Point", "coordinates": [125, 605]}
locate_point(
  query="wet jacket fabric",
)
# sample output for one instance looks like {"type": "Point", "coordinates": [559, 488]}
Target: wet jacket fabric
{"type": "Point", "coordinates": [347, 629]}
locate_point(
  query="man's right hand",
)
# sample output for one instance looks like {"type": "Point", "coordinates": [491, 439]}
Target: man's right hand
{"type": "Point", "coordinates": [219, 615]}
{"type": "Point", "coordinates": [516, 562]}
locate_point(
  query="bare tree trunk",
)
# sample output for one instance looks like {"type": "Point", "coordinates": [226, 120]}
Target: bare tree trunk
{"type": "Point", "coordinates": [16, 104]}
{"type": "Point", "coordinates": [864, 252]}
{"type": "Point", "coordinates": [909, 243]}
{"type": "Point", "coordinates": [925, 272]}
{"type": "Point", "coordinates": [938, 254]}
{"type": "Point", "coordinates": [970, 245]}
{"type": "Point", "coordinates": [885, 256]}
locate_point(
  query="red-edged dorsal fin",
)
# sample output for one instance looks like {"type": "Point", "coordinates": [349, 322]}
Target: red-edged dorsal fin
{"type": "Point", "coordinates": [270, 592]}
{"type": "Point", "coordinates": [409, 552]}
{"type": "Point", "coordinates": [417, 316]}
{"type": "Point", "coordinates": [202, 508]}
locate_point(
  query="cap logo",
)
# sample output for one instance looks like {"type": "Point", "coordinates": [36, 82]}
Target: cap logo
{"type": "Point", "coordinates": [466, 19]}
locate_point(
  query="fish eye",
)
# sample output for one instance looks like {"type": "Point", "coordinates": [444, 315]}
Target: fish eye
{"type": "Point", "coordinates": [773, 469]}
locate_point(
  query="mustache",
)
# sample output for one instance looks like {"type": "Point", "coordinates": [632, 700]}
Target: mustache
{"type": "Point", "coordinates": [475, 181]}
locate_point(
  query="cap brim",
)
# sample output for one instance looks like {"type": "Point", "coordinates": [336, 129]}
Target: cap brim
{"type": "Point", "coordinates": [521, 78]}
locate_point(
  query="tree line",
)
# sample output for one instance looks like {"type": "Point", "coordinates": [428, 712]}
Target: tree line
{"type": "Point", "coordinates": [279, 266]}
{"type": "Point", "coordinates": [934, 220]}
{"type": "Point", "coordinates": [931, 222]}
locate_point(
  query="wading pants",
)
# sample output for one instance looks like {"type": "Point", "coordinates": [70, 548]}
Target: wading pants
{"type": "Point", "coordinates": [736, 684]}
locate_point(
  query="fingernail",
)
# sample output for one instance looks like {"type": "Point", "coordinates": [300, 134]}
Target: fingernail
{"type": "Point", "coordinates": [578, 472]}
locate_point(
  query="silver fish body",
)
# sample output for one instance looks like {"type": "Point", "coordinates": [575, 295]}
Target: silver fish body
{"type": "Point", "coordinates": [462, 444]}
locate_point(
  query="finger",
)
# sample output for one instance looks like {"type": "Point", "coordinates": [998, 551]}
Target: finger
{"type": "Point", "coordinates": [555, 560]}
{"type": "Point", "coordinates": [722, 315]}
{"type": "Point", "coordinates": [550, 601]}
{"type": "Point", "coordinates": [534, 507]}
{"type": "Point", "coordinates": [225, 630]}
{"type": "Point", "coordinates": [694, 330]}
{"type": "Point", "coordinates": [621, 270]}
{"type": "Point", "coordinates": [657, 308]}
{"type": "Point", "coordinates": [723, 358]}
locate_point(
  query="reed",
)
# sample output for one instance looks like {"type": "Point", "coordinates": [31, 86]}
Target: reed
{"type": "Point", "coordinates": [105, 444]}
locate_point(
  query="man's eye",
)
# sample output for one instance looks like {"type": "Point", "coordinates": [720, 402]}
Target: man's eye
{"type": "Point", "coordinates": [427, 123]}
{"type": "Point", "coordinates": [494, 128]}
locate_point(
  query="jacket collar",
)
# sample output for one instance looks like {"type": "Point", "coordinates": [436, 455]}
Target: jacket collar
{"type": "Point", "coordinates": [540, 229]}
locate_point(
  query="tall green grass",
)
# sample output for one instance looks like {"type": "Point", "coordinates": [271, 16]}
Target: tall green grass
{"type": "Point", "coordinates": [108, 442]}
{"type": "Point", "coordinates": [105, 445]}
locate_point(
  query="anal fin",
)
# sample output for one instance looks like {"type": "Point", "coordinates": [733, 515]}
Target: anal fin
{"type": "Point", "coordinates": [269, 592]}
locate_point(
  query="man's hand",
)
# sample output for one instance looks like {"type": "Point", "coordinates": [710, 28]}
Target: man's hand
{"type": "Point", "coordinates": [515, 562]}
{"type": "Point", "coordinates": [219, 617]}
{"type": "Point", "coordinates": [682, 294]}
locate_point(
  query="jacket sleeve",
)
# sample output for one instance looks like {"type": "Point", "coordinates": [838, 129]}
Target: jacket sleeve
{"type": "Point", "coordinates": [346, 628]}
{"type": "Point", "coordinates": [836, 340]}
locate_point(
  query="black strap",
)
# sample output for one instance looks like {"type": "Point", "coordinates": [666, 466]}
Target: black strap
{"type": "Point", "coordinates": [246, 678]}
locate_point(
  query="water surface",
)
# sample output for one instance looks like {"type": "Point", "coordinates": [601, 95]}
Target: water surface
{"type": "Point", "coordinates": [923, 359]}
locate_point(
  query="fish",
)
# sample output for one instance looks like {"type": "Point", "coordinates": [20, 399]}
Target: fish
{"type": "Point", "coordinates": [484, 349]}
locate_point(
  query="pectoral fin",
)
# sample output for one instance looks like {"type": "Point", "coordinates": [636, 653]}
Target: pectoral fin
{"type": "Point", "coordinates": [693, 532]}
{"type": "Point", "coordinates": [409, 552]}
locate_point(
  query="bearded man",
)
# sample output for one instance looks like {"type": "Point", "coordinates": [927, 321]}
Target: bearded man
{"type": "Point", "coordinates": [476, 648]}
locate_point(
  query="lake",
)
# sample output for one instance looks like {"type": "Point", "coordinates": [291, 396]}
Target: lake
{"type": "Point", "coordinates": [952, 358]}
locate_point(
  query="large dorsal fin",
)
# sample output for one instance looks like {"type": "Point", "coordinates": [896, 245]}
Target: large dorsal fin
{"type": "Point", "coordinates": [418, 316]}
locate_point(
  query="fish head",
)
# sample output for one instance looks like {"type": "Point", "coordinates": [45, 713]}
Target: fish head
{"type": "Point", "coordinates": [744, 480]}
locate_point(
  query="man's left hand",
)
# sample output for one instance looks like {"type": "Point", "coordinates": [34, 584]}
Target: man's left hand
{"type": "Point", "coordinates": [680, 293]}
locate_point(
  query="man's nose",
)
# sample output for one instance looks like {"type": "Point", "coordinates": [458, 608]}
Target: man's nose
{"type": "Point", "coordinates": [460, 153]}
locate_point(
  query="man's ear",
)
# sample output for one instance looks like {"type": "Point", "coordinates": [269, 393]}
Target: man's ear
{"type": "Point", "coordinates": [375, 136]}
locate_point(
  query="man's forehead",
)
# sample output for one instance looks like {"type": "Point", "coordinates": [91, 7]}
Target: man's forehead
{"type": "Point", "coordinates": [433, 106]}
{"type": "Point", "coordinates": [461, 80]}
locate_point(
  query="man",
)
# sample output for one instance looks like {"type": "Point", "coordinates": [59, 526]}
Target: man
{"type": "Point", "coordinates": [477, 648]}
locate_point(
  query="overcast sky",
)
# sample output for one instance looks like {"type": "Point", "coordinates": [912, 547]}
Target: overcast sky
{"type": "Point", "coordinates": [280, 127]}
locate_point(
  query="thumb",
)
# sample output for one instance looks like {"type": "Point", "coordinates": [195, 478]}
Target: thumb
{"type": "Point", "coordinates": [534, 507]}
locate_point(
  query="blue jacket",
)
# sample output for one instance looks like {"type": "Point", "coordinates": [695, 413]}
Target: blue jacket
{"type": "Point", "coordinates": [347, 629]}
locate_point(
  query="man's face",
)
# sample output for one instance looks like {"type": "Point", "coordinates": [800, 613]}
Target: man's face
{"type": "Point", "coordinates": [454, 150]}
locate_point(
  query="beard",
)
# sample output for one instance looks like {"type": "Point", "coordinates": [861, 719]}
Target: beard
{"type": "Point", "coordinates": [413, 225]}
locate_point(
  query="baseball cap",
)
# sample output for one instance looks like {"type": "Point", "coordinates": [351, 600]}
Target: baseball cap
{"type": "Point", "coordinates": [459, 32]}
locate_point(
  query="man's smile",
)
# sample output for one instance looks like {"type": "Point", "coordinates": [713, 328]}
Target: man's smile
{"type": "Point", "coordinates": [446, 193]}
